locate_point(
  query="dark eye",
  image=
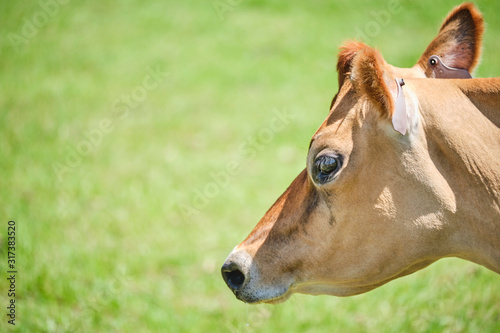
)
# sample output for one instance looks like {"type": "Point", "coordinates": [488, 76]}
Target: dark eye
{"type": "Point", "coordinates": [325, 167]}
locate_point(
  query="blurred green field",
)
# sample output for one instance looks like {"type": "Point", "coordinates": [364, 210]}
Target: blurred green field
{"type": "Point", "coordinates": [116, 115]}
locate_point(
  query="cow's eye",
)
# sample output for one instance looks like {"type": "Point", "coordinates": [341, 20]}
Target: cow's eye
{"type": "Point", "coordinates": [325, 168]}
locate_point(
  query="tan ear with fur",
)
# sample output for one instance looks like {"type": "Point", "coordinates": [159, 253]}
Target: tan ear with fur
{"type": "Point", "coordinates": [367, 72]}
{"type": "Point", "coordinates": [372, 80]}
{"type": "Point", "coordinates": [347, 52]}
{"type": "Point", "coordinates": [344, 63]}
{"type": "Point", "coordinates": [458, 42]}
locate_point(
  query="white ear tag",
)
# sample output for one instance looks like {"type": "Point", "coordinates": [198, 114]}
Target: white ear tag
{"type": "Point", "coordinates": [400, 117]}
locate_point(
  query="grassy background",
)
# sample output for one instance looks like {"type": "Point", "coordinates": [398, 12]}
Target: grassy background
{"type": "Point", "coordinates": [108, 244]}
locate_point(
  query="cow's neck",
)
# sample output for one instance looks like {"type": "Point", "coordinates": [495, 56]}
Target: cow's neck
{"type": "Point", "coordinates": [463, 138]}
{"type": "Point", "coordinates": [485, 95]}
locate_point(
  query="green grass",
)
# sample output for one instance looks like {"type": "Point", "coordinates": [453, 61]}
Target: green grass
{"type": "Point", "coordinates": [107, 246]}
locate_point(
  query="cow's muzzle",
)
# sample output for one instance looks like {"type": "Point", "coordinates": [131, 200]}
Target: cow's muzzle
{"type": "Point", "coordinates": [245, 280]}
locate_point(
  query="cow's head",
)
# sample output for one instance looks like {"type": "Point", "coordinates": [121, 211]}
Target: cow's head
{"type": "Point", "coordinates": [369, 207]}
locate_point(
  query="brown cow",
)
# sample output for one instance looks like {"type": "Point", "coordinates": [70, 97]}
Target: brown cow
{"type": "Point", "coordinates": [374, 204]}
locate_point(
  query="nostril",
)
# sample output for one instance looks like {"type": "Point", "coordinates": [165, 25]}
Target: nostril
{"type": "Point", "coordinates": [233, 276]}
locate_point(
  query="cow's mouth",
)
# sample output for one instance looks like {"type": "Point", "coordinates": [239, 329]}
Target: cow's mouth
{"type": "Point", "coordinates": [279, 299]}
{"type": "Point", "coordinates": [258, 295]}
{"type": "Point", "coordinates": [254, 292]}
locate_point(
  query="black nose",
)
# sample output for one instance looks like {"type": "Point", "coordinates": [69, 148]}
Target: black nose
{"type": "Point", "coordinates": [233, 276]}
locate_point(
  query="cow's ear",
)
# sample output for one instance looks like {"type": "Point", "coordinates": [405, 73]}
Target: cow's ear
{"type": "Point", "coordinates": [347, 52]}
{"type": "Point", "coordinates": [346, 55]}
{"type": "Point", "coordinates": [458, 42]}
{"type": "Point", "coordinates": [372, 80]}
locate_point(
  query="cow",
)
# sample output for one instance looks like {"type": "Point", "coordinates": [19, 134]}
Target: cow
{"type": "Point", "coordinates": [400, 174]}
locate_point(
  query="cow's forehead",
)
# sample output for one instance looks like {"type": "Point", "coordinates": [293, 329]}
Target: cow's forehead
{"type": "Point", "coordinates": [414, 72]}
{"type": "Point", "coordinates": [346, 109]}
